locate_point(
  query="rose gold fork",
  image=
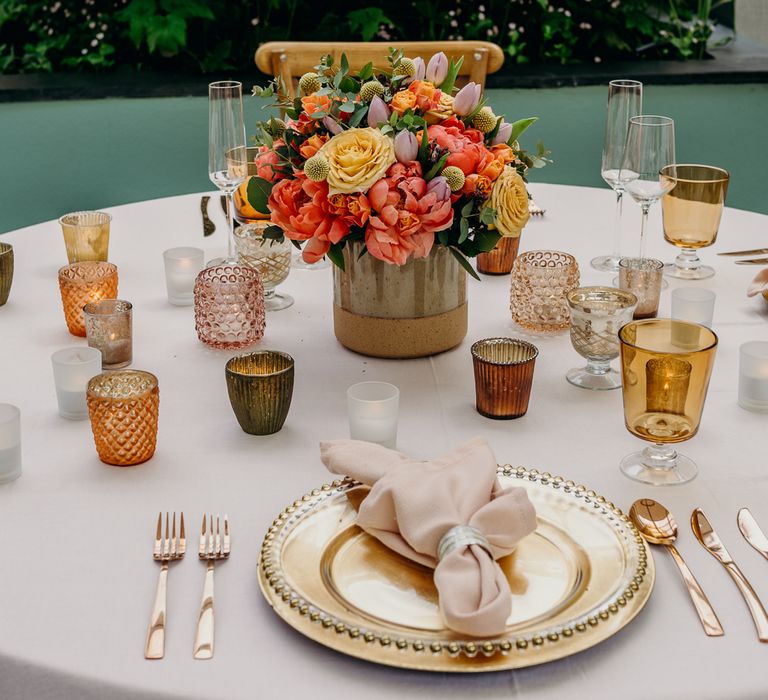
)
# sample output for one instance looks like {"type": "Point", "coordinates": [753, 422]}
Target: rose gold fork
{"type": "Point", "coordinates": [212, 547]}
{"type": "Point", "coordinates": [167, 549]}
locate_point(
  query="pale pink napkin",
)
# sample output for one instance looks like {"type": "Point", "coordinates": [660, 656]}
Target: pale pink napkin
{"type": "Point", "coordinates": [413, 503]}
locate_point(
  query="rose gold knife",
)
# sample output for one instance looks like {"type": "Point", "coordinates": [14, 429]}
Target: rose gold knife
{"type": "Point", "coordinates": [754, 251]}
{"type": "Point", "coordinates": [752, 532]}
{"type": "Point", "coordinates": [708, 538]}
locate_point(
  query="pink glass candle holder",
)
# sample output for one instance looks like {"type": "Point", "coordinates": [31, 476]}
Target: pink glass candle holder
{"type": "Point", "coordinates": [81, 283]}
{"type": "Point", "coordinates": [229, 306]}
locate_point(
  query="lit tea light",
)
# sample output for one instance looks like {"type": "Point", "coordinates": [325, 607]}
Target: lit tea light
{"type": "Point", "coordinates": [72, 368]}
{"type": "Point", "coordinates": [667, 381]}
{"type": "Point", "coordinates": [108, 326]}
{"type": "Point", "coordinates": [753, 376]}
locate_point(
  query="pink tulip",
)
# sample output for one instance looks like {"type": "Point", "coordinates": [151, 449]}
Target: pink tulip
{"type": "Point", "coordinates": [420, 69]}
{"type": "Point", "coordinates": [502, 136]}
{"type": "Point", "coordinates": [332, 125]}
{"type": "Point", "coordinates": [466, 99]}
{"type": "Point", "coordinates": [406, 147]}
{"type": "Point", "coordinates": [439, 185]}
{"type": "Point", "coordinates": [378, 112]}
{"type": "Point", "coordinates": [437, 68]}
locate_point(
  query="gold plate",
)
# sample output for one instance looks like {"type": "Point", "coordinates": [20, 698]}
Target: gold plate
{"type": "Point", "coordinates": [577, 580]}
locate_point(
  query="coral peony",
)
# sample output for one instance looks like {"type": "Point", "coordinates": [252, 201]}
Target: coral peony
{"type": "Point", "coordinates": [267, 162]}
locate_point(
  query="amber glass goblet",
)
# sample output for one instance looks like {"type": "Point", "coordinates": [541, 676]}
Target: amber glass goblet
{"type": "Point", "coordinates": [666, 366]}
{"type": "Point", "coordinates": [81, 283]}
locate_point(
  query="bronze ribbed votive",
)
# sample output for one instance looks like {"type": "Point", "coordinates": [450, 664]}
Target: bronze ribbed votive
{"type": "Point", "coordinates": [499, 261]}
{"type": "Point", "coordinates": [81, 283]}
{"type": "Point", "coordinates": [123, 406]}
{"type": "Point", "coordinates": [6, 271]}
{"type": "Point", "coordinates": [260, 386]}
{"type": "Point", "coordinates": [503, 376]}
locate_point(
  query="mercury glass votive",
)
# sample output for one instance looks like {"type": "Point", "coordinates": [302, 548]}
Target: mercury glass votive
{"type": "Point", "coordinates": [753, 376]}
{"type": "Point", "coordinates": [597, 313]}
{"type": "Point", "coordinates": [108, 327]}
{"type": "Point", "coordinates": [6, 271]}
{"type": "Point", "coordinates": [270, 257]}
{"type": "Point", "coordinates": [643, 277]}
{"type": "Point", "coordinates": [229, 306]}
{"type": "Point", "coordinates": [503, 376]}
{"type": "Point", "coordinates": [72, 370]}
{"type": "Point", "coordinates": [81, 283]}
{"type": "Point", "coordinates": [373, 409]}
{"type": "Point", "coordinates": [260, 387]}
{"type": "Point", "coordinates": [10, 442]}
{"type": "Point", "coordinates": [182, 266]}
{"type": "Point", "coordinates": [123, 406]}
{"type": "Point", "coordinates": [693, 304]}
{"type": "Point", "coordinates": [86, 235]}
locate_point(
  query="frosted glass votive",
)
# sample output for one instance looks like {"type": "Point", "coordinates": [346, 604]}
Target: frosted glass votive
{"type": "Point", "coordinates": [753, 376]}
{"type": "Point", "coordinates": [181, 268]}
{"type": "Point", "coordinates": [693, 304]}
{"type": "Point", "coordinates": [373, 409]}
{"type": "Point", "coordinates": [72, 368]}
{"type": "Point", "coordinates": [10, 442]}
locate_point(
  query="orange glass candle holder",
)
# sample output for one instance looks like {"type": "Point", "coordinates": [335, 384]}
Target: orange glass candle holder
{"type": "Point", "coordinates": [499, 261]}
{"type": "Point", "coordinates": [123, 406]}
{"type": "Point", "coordinates": [81, 283]}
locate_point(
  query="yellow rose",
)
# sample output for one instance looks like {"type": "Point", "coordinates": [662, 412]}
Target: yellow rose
{"type": "Point", "coordinates": [509, 199]}
{"type": "Point", "coordinates": [444, 110]}
{"type": "Point", "coordinates": [357, 158]}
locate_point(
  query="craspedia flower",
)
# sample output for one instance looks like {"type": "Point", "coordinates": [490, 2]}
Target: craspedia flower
{"type": "Point", "coordinates": [309, 83]}
{"type": "Point", "coordinates": [454, 176]}
{"type": "Point", "coordinates": [484, 120]}
{"type": "Point", "coordinates": [370, 90]}
{"type": "Point", "coordinates": [276, 127]}
{"type": "Point", "coordinates": [406, 67]}
{"type": "Point", "coordinates": [317, 168]}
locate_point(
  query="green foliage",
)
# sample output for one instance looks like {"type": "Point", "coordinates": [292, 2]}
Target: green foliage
{"type": "Point", "coordinates": [366, 21]}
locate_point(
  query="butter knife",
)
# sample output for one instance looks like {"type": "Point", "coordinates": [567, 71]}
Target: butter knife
{"type": "Point", "coordinates": [709, 539]}
{"type": "Point", "coordinates": [755, 261]}
{"type": "Point", "coordinates": [208, 226]}
{"type": "Point", "coordinates": [754, 251]}
{"type": "Point", "coordinates": [752, 532]}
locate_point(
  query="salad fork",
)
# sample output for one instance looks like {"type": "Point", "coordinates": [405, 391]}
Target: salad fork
{"type": "Point", "coordinates": [167, 548]}
{"type": "Point", "coordinates": [213, 546]}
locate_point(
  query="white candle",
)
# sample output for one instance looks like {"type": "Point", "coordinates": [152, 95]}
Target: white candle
{"type": "Point", "coordinates": [753, 376]}
{"type": "Point", "coordinates": [10, 442]}
{"type": "Point", "coordinates": [72, 368]}
{"type": "Point", "coordinates": [373, 409]}
{"type": "Point", "coordinates": [181, 268]}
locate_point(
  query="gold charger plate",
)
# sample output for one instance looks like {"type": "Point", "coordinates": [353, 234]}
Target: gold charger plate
{"type": "Point", "coordinates": [577, 580]}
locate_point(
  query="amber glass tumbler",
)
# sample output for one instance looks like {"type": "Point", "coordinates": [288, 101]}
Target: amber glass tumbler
{"type": "Point", "coordinates": [503, 376]}
{"type": "Point", "coordinates": [123, 406]}
{"type": "Point", "coordinates": [229, 306]}
{"type": "Point", "coordinates": [6, 271]}
{"type": "Point", "coordinates": [260, 386]}
{"type": "Point", "coordinates": [499, 261]}
{"type": "Point", "coordinates": [86, 235]}
{"type": "Point", "coordinates": [81, 283]}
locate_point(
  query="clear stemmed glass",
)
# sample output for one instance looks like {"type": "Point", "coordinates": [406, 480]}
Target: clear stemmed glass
{"type": "Point", "coordinates": [692, 209]}
{"type": "Point", "coordinates": [650, 147]}
{"type": "Point", "coordinates": [227, 158]}
{"type": "Point", "coordinates": [625, 100]}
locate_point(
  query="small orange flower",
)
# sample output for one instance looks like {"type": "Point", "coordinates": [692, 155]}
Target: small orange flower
{"type": "Point", "coordinates": [503, 152]}
{"type": "Point", "coordinates": [312, 145]}
{"type": "Point", "coordinates": [477, 183]}
{"type": "Point", "coordinates": [337, 204]}
{"type": "Point", "coordinates": [402, 101]}
{"type": "Point", "coordinates": [314, 103]}
{"type": "Point", "coordinates": [427, 95]}
{"type": "Point", "coordinates": [490, 167]}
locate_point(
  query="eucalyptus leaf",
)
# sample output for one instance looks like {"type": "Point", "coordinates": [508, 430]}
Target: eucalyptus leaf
{"type": "Point", "coordinates": [488, 215]}
{"type": "Point", "coordinates": [464, 230]}
{"type": "Point", "coordinates": [357, 117]}
{"type": "Point", "coordinates": [347, 107]}
{"type": "Point", "coordinates": [466, 210]}
{"type": "Point", "coordinates": [367, 71]}
{"type": "Point", "coordinates": [344, 64]}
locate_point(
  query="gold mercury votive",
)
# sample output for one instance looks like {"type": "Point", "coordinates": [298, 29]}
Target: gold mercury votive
{"type": "Point", "coordinates": [81, 283]}
{"type": "Point", "coordinates": [108, 327]}
{"type": "Point", "coordinates": [86, 235]}
{"type": "Point", "coordinates": [6, 271]}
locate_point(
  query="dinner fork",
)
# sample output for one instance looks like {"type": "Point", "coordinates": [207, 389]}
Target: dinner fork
{"type": "Point", "coordinates": [167, 548]}
{"type": "Point", "coordinates": [213, 546]}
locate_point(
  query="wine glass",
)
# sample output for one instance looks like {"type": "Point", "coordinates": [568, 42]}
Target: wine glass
{"type": "Point", "coordinates": [692, 210]}
{"type": "Point", "coordinates": [666, 366]}
{"type": "Point", "coordinates": [650, 147]}
{"type": "Point", "coordinates": [227, 158]}
{"type": "Point", "coordinates": [625, 100]}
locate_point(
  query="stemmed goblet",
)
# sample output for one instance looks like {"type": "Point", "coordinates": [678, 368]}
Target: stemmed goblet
{"type": "Point", "coordinates": [227, 156]}
{"type": "Point", "coordinates": [650, 147]}
{"type": "Point", "coordinates": [625, 100]}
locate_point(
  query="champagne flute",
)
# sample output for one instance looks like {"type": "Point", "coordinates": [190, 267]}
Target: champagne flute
{"type": "Point", "coordinates": [650, 147]}
{"type": "Point", "coordinates": [625, 100]}
{"type": "Point", "coordinates": [227, 157]}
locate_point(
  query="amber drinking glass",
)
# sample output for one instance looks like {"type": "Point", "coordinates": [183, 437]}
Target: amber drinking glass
{"type": "Point", "coordinates": [260, 387]}
{"type": "Point", "coordinates": [6, 271]}
{"type": "Point", "coordinates": [81, 283]}
{"type": "Point", "coordinates": [270, 257]}
{"type": "Point", "coordinates": [540, 281]}
{"type": "Point", "coordinates": [597, 313]}
{"type": "Point", "coordinates": [691, 212]}
{"type": "Point", "coordinates": [229, 306]}
{"type": "Point", "coordinates": [86, 235]}
{"type": "Point", "coordinates": [123, 406]}
{"type": "Point", "coordinates": [503, 376]}
{"type": "Point", "coordinates": [666, 366]}
{"type": "Point", "coordinates": [644, 278]}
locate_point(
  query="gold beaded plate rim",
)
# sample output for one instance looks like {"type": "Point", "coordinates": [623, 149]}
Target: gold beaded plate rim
{"type": "Point", "coordinates": [306, 541]}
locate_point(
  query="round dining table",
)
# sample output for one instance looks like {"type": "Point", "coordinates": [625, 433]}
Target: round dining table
{"type": "Point", "coordinates": [77, 580]}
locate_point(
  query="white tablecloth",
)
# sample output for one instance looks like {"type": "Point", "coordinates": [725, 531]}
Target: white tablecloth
{"type": "Point", "coordinates": [77, 579]}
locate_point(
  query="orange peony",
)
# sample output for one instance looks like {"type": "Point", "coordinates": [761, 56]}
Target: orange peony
{"type": "Point", "coordinates": [403, 100]}
{"type": "Point", "coordinates": [312, 145]}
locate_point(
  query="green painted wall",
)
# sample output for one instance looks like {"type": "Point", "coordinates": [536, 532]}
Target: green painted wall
{"type": "Point", "coordinates": [69, 155]}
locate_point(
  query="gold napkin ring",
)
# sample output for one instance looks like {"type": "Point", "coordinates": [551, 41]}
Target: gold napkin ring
{"type": "Point", "coordinates": [459, 537]}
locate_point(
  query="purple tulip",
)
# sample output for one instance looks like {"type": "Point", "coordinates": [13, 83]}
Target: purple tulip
{"type": "Point", "coordinates": [502, 136]}
{"type": "Point", "coordinates": [439, 185]}
{"type": "Point", "coordinates": [332, 125]}
{"type": "Point", "coordinates": [378, 112]}
{"type": "Point", "coordinates": [437, 68]}
{"type": "Point", "coordinates": [406, 147]}
{"type": "Point", "coordinates": [466, 99]}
